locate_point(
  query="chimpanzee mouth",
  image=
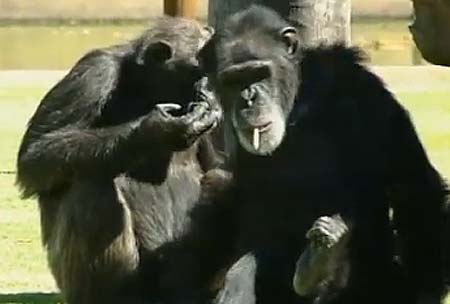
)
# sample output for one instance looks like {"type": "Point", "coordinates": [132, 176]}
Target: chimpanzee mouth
{"type": "Point", "coordinates": [260, 130]}
{"type": "Point", "coordinates": [256, 131]}
{"type": "Point", "coordinates": [263, 127]}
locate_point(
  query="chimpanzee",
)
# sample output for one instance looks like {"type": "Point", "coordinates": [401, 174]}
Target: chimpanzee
{"type": "Point", "coordinates": [323, 268]}
{"type": "Point", "coordinates": [114, 154]}
{"type": "Point", "coordinates": [318, 141]}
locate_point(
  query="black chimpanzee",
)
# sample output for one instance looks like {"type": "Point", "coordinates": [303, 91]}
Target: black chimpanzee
{"type": "Point", "coordinates": [322, 270]}
{"type": "Point", "coordinates": [316, 136]}
{"type": "Point", "coordinates": [115, 170]}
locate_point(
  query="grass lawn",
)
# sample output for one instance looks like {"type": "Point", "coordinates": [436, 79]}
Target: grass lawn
{"type": "Point", "coordinates": [22, 262]}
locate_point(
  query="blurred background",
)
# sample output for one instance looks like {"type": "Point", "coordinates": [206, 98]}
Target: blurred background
{"type": "Point", "coordinates": [41, 39]}
{"type": "Point", "coordinates": [48, 34]}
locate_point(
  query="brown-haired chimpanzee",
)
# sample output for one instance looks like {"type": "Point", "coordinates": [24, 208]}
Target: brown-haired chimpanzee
{"type": "Point", "coordinates": [114, 168]}
{"type": "Point", "coordinates": [318, 142]}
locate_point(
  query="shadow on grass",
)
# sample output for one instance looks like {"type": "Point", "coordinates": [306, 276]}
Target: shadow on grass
{"type": "Point", "coordinates": [44, 298]}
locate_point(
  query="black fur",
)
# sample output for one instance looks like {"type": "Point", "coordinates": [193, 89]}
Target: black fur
{"type": "Point", "coordinates": [349, 148]}
{"type": "Point", "coordinates": [114, 175]}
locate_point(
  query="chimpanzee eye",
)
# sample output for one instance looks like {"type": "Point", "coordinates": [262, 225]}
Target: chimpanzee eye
{"type": "Point", "coordinates": [241, 80]}
{"type": "Point", "coordinates": [243, 75]}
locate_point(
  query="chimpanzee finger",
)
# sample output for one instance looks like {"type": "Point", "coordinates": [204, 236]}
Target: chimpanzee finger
{"type": "Point", "coordinates": [197, 111]}
{"type": "Point", "coordinates": [198, 127]}
{"type": "Point", "coordinates": [166, 108]}
{"type": "Point", "coordinates": [192, 105]}
{"type": "Point", "coordinates": [206, 122]}
{"type": "Point", "coordinates": [193, 124]}
{"type": "Point", "coordinates": [205, 93]}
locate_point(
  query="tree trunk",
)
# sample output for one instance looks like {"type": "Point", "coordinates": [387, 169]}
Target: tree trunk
{"type": "Point", "coordinates": [322, 21]}
{"type": "Point", "coordinates": [319, 21]}
{"type": "Point", "coordinates": [431, 30]}
{"type": "Point", "coordinates": [181, 8]}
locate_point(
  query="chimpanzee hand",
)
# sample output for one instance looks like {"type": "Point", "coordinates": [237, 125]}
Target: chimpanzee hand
{"type": "Point", "coordinates": [205, 94]}
{"type": "Point", "coordinates": [179, 132]}
{"type": "Point", "coordinates": [215, 183]}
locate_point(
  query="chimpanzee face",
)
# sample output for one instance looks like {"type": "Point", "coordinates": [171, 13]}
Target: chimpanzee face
{"type": "Point", "coordinates": [254, 67]}
{"type": "Point", "coordinates": [168, 57]}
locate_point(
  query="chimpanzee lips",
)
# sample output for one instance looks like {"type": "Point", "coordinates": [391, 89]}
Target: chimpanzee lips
{"type": "Point", "coordinates": [263, 127]}
{"type": "Point", "coordinates": [256, 133]}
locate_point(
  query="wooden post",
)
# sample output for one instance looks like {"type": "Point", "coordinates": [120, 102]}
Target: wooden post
{"type": "Point", "coordinates": [181, 8]}
{"type": "Point", "coordinates": [322, 21]}
{"type": "Point", "coordinates": [319, 21]}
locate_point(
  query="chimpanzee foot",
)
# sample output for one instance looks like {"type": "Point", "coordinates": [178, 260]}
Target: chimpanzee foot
{"type": "Point", "coordinates": [318, 263]}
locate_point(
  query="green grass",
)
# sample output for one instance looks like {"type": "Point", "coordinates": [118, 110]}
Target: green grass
{"type": "Point", "coordinates": [17, 104]}
{"type": "Point", "coordinates": [22, 260]}
{"type": "Point", "coordinates": [430, 112]}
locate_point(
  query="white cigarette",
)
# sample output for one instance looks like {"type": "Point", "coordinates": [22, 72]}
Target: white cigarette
{"type": "Point", "coordinates": [256, 138]}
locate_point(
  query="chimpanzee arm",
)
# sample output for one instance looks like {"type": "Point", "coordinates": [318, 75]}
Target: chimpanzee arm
{"type": "Point", "coordinates": [208, 155]}
{"type": "Point", "coordinates": [324, 265]}
{"type": "Point", "coordinates": [62, 137]}
{"type": "Point", "coordinates": [195, 265]}
{"type": "Point", "coordinates": [420, 203]}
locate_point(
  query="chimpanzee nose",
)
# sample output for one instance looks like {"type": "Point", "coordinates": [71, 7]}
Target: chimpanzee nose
{"type": "Point", "coordinates": [249, 95]}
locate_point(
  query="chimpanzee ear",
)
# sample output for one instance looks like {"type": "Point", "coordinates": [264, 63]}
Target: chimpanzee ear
{"type": "Point", "coordinates": [156, 52]}
{"type": "Point", "coordinates": [210, 30]}
{"type": "Point", "coordinates": [290, 38]}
